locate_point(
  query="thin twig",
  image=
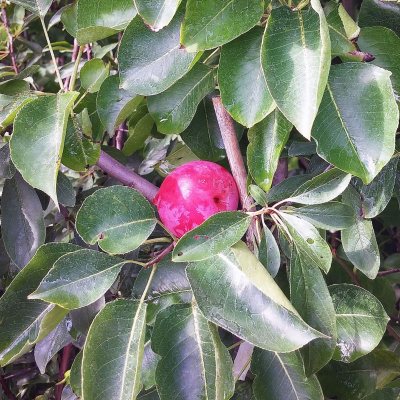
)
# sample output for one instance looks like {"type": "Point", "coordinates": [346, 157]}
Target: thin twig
{"type": "Point", "coordinates": [60, 82]}
{"type": "Point", "coordinates": [161, 255]}
{"type": "Point", "coordinates": [6, 389]}
{"type": "Point", "coordinates": [10, 39]}
{"type": "Point", "coordinates": [126, 176]}
{"type": "Point", "coordinates": [76, 68]}
{"type": "Point", "coordinates": [73, 58]}
{"type": "Point", "coordinates": [119, 136]}
{"type": "Point", "coordinates": [65, 362]}
{"type": "Point", "coordinates": [389, 272]}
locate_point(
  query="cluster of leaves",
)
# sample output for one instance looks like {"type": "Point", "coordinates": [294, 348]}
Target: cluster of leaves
{"type": "Point", "coordinates": [308, 308]}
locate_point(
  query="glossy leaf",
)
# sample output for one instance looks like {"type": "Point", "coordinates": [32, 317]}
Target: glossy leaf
{"type": "Point", "coordinates": [77, 280]}
{"type": "Point", "coordinates": [381, 42]}
{"type": "Point", "coordinates": [322, 188]}
{"type": "Point", "coordinates": [150, 62]}
{"type": "Point", "coordinates": [149, 365]}
{"type": "Point", "coordinates": [363, 145]}
{"type": "Point", "coordinates": [203, 135]}
{"type": "Point", "coordinates": [309, 244]}
{"type": "Point", "coordinates": [244, 91]}
{"type": "Point", "coordinates": [376, 196]}
{"type": "Point", "coordinates": [210, 23]}
{"type": "Point", "coordinates": [296, 57]}
{"type": "Point", "coordinates": [361, 321]}
{"type": "Point", "coordinates": [157, 13]}
{"type": "Point", "coordinates": [266, 142]}
{"type": "Point", "coordinates": [201, 357]}
{"type": "Point", "coordinates": [47, 348]}
{"type": "Point", "coordinates": [98, 19]}
{"type": "Point", "coordinates": [213, 236]}
{"type": "Point", "coordinates": [329, 216]}
{"type": "Point", "coordinates": [380, 13]}
{"type": "Point", "coordinates": [268, 252]}
{"type": "Point", "coordinates": [82, 318]}
{"type": "Point", "coordinates": [7, 169]}
{"type": "Point", "coordinates": [286, 188]}
{"type": "Point", "coordinates": [310, 295]}
{"type": "Point", "coordinates": [22, 223]}
{"type": "Point", "coordinates": [39, 7]}
{"type": "Point", "coordinates": [174, 109]}
{"type": "Point", "coordinates": [235, 291]}
{"type": "Point", "coordinates": [75, 378]}
{"type": "Point", "coordinates": [93, 74]}
{"type": "Point", "coordinates": [116, 232]}
{"type": "Point", "coordinates": [25, 322]}
{"type": "Point", "coordinates": [114, 104]}
{"type": "Point", "coordinates": [281, 376]}
{"type": "Point", "coordinates": [113, 353]}
{"type": "Point", "coordinates": [359, 241]}
{"type": "Point", "coordinates": [65, 191]}
{"type": "Point", "coordinates": [79, 152]}
{"type": "Point", "coordinates": [38, 139]}
{"type": "Point", "coordinates": [138, 135]}
{"type": "Point", "coordinates": [169, 286]}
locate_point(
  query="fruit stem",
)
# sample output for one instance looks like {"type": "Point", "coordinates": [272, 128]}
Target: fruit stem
{"type": "Point", "coordinates": [126, 176]}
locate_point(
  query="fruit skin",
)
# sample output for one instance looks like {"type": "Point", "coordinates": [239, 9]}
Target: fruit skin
{"type": "Point", "coordinates": [192, 193]}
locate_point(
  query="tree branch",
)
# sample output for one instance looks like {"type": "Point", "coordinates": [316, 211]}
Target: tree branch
{"type": "Point", "coordinates": [231, 145]}
{"type": "Point", "coordinates": [64, 365]}
{"type": "Point", "coordinates": [6, 389]}
{"type": "Point", "coordinates": [126, 176]}
{"type": "Point", "coordinates": [389, 272]}
{"type": "Point", "coordinates": [10, 39]}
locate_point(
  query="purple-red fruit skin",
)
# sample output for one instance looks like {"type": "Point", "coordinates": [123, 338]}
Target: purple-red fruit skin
{"type": "Point", "coordinates": [192, 193]}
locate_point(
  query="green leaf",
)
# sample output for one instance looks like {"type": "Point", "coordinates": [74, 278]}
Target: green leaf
{"type": "Point", "coordinates": [361, 321]}
{"type": "Point", "coordinates": [79, 152]}
{"type": "Point", "coordinates": [118, 218]}
{"type": "Point", "coordinates": [382, 42]}
{"type": "Point", "coordinates": [235, 291]}
{"type": "Point", "coordinates": [79, 279]}
{"type": "Point", "coordinates": [98, 19]}
{"type": "Point", "coordinates": [268, 252]}
{"type": "Point", "coordinates": [296, 57]}
{"type": "Point", "coordinates": [174, 109]}
{"type": "Point", "coordinates": [39, 7]}
{"type": "Point", "coordinates": [93, 74]}
{"type": "Point", "coordinates": [266, 142]}
{"type": "Point", "coordinates": [286, 188]}
{"type": "Point", "coordinates": [13, 96]}
{"type": "Point", "coordinates": [213, 236]}
{"type": "Point", "coordinates": [151, 62]}
{"type": "Point", "coordinates": [310, 295]}
{"type": "Point", "coordinates": [376, 196]}
{"type": "Point", "coordinates": [22, 222]}
{"type": "Point", "coordinates": [210, 23]}
{"type": "Point", "coordinates": [380, 13]}
{"type": "Point", "coordinates": [322, 188]}
{"type": "Point", "coordinates": [203, 135]}
{"type": "Point", "coordinates": [69, 18]}
{"type": "Point", "coordinates": [169, 286]}
{"type": "Point", "coordinates": [308, 242]}
{"type": "Point", "coordinates": [24, 322]}
{"type": "Point", "coordinates": [359, 241]}
{"type": "Point", "coordinates": [113, 353]}
{"type": "Point", "coordinates": [115, 104]}
{"type": "Point", "coordinates": [157, 13]}
{"type": "Point", "coordinates": [75, 378]}
{"type": "Point", "coordinates": [7, 169]}
{"type": "Point", "coordinates": [65, 191]}
{"type": "Point", "coordinates": [149, 365]}
{"type": "Point", "coordinates": [200, 351]}
{"type": "Point", "coordinates": [244, 91]}
{"type": "Point", "coordinates": [340, 40]}
{"type": "Point", "coordinates": [281, 376]}
{"type": "Point", "coordinates": [329, 216]}
{"type": "Point", "coordinates": [38, 138]}
{"type": "Point", "coordinates": [138, 135]}
{"type": "Point", "coordinates": [361, 146]}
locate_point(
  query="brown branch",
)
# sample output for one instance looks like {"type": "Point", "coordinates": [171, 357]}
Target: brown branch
{"type": "Point", "coordinates": [232, 148]}
{"type": "Point", "coordinates": [161, 255]}
{"type": "Point", "coordinates": [6, 389]}
{"type": "Point", "coordinates": [64, 366]}
{"type": "Point", "coordinates": [75, 52]}
{"type": "Point", "coordinates": [389, 272]}
{"type": "Point", "coordinates": [126, 176]}
{"type": "Point", "coordinates": [10, 39]}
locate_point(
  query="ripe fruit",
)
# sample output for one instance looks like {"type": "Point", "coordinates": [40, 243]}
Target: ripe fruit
{"type": "Point", "coordinates": [192, 193]}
